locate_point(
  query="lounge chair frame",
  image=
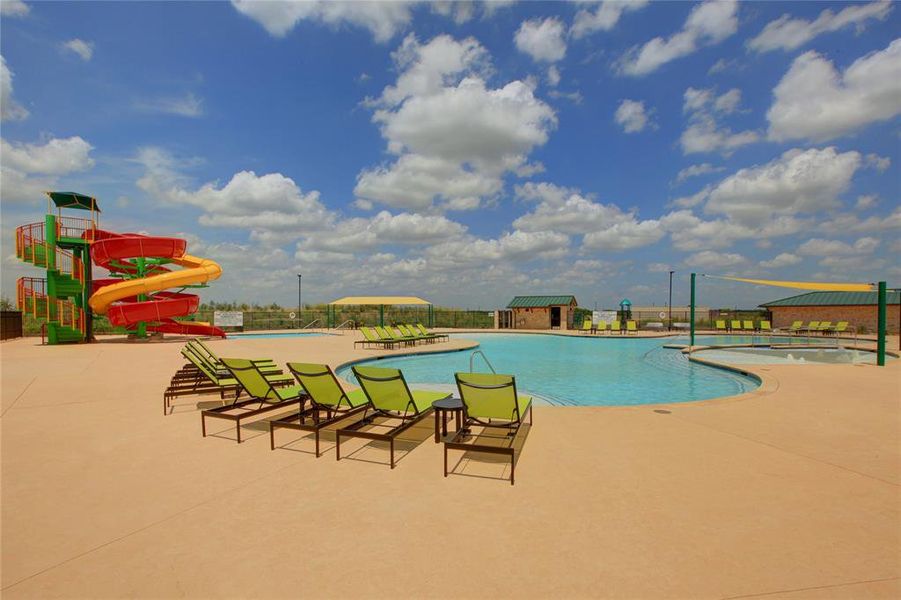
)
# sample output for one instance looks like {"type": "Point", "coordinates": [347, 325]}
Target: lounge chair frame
{"type": "Point", "coordinates": [407, 420]}
{"type": "Point", "coordinates": [246, 412]}
{"type": "Point", "coordinates": [379, 342]}
{"type": "Point", "coordinates": [298, 421]}
{"type": "Point", "coordinates": [456, 441]}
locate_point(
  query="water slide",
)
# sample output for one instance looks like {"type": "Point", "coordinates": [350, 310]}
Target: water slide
{"type": "Point", "coordinates": [119, 299]}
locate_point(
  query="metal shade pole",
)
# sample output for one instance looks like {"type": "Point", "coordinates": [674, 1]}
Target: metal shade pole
{"type": "Point", "coordinates": [670, 328]}
{"type": "Point", "coordinates": [299, 303]}
{"type": "Point", "coordinates": [880, 340]}
{"type": "Point", "coordinates": [692, 316]}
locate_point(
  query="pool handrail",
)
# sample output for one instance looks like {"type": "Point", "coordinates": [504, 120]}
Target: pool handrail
{"type": "Point", "coordinates": [487, 362]}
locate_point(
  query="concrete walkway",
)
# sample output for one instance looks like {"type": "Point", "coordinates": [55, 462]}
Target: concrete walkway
{"type": "Point", "coordinates": [789, 492]}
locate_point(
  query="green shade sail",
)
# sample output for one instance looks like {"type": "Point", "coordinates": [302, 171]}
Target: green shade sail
{"type": "Point", "coordinates": [74, 200]}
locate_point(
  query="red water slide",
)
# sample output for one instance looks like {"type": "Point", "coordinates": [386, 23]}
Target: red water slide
{"type": "Point", "coordinates": [118, 298]}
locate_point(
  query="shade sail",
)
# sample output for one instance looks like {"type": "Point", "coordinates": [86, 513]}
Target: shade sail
{"type": "Point", "coordinates": [73, 200]}
{"type": "Point", "coordinates": [379, 300]}
{"type": "Point", "coordinates": [804, 285]}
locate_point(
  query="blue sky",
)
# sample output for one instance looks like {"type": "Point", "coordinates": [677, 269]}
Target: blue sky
{"type": "Point", "coordinates": [468, 152]}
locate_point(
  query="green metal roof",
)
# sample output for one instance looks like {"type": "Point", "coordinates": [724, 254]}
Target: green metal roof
{"type": "Point", "coordinates": [539, 301]}
{"type": "Point", "coordinates": [835, 299]}
{"type": "Point", "coordinates": [73, 200]}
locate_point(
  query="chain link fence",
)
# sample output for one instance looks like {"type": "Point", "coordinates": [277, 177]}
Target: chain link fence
{"type": "Point", "coordinates": [350, 317]}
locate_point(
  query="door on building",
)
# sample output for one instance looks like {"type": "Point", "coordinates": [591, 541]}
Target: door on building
{"type": "Point", "coordinates": [555, 317]}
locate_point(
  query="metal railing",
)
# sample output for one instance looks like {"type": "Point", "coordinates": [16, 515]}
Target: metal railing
{"type": "Point", "coordinates": [29, 291]}
{"type": "Point", "coordinates": [311, 323]}
{"type": "Point", "coordinates": [69, 264]}
{"type": "Point", "coordinates": [485, 358]}
{"type": "Point", "coordinates": [351, 321]}
{"type": "Point", "coordinates": [28, 238]}
{"type": "Point", "coordinates": [75, 227]}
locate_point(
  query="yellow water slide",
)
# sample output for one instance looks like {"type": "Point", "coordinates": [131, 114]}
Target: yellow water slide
{"type": "Point", "coordinates": [196, 271]}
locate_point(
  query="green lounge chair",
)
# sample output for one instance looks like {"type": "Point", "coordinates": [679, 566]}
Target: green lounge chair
{"type": "Point", "coordinates": [840, 327]}
{"type": "Point", "coordinates": [263, 395]}
{"type": "Point", "coordinates": [489, 401]}
{"type": "Point", "coordinates": [370, 337]}
{"type": "Point", "coordinates": [438, 336]}
{"type": "Point", "coordinates": [329, 402]}
{"type": "Point", "coordinates": [765, 327]}
{"type": "Point", "coordinates": [796, 327]}
{"type": "Point", "coordinates": [811, 327]}
{"type": "Point", "coordinates": [825, 327]}
{"type": "Point", "coordinates": [388, 333]}
{"type": "Point", "coordinates": [587, 325]}
{"type": "Point", "coordinates": [632, 327]}
{"type": "Point", "coordinates": [391, 398]}
{"type": "Point", "coordinates": [205, 379]}
{"type": "Point", "coordinates": [721, 326]}
{"type": "Point", "coordinates": [747, 325]}
{"type": "Point", "coordinates": [200, 349]}
{"type": "Point", "coordinates": [735, 325]}
{"type": "Point", "coordinates": [602, 326]}
{"type": "Point", "coordinates": [617, 327]}
{"type": "Point", "coordinates": [203, 350]}
{"type": "Point", "coordinates": [415, 334]}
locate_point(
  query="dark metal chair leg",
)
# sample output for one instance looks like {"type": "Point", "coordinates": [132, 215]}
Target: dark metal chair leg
{"type": "Point", "coordinates": [238, 430]}
{"type": "Point", "coordinates": [271, 436]}
{"type": "Point", "coordinates": [337, 446]}
{"type": "Point", "coordinates": [392, 452]}
{"type": "Point", "coordinates": [317, 443]}
{"type": "Point", "coordinates": [203, 423]}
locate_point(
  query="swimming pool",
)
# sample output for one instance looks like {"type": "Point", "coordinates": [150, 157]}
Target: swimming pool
{"type": "Point", "coordinates": [584, 371]}
{"type": "Point", "coordinates": [293, 334]}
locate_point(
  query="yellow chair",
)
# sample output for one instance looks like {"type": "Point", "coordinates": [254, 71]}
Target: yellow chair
{"type": "Point", "coordinates": [765, 326]}
{"type": "Point", "coordinates": [735, 325]}
{"type": "Point", "coordinates": [632, 327]}
{"type": "Point", "coordinates": [616, 326]}
{"type": "Point", "coordinates": [747, 325]}
{"type": "Point", "coordinates": [602, 326]}
{"type": "Point", "coordinates": [796, 327]}
{"type": "Point", "coordinates": [721, 326]}
{"type": "Point", "coordinates": [586, 325]}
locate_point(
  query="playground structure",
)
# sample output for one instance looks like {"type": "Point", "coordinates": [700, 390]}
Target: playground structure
{"type": "Point", "coordinates": [134, 297]}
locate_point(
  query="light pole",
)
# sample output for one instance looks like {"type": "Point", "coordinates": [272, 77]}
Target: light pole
{"type": "Point", "coordinates": [670, 328]}
{"type": "Point", "coordinates": [299, 303]}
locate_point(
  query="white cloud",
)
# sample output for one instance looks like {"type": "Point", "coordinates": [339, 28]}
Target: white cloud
{"type": "Point", "coordinates": [711, 259]}
{"type": "Point", "coordinates": [553, 76]}
{"type": "Point", "coordinates": [866, 202]}
{"type": "Point", "coordinates": [708, 23]}
{"type": "Point", "coordinates": [813, 101]}
{"type": "Point", "coordinates": [692, 200]}
{"type": "Point", "coordinates": [355, 235]}
{"type": "Point", "coordinates": [845, 223]}
{"type": "Point", "coordinates": [84, 50]}
{"type": "Point", "coordinates": [13, 8]}
{"type": "Point", "coordinates": [518, 246]}
{"type": "Point", "coordinates": [575, 97]}
{"type": "Point", "coordinates": [382, 19]}
{"type": "Point", "coordinates": [786, 259]}
{"type": "Point", "coordinates": [454, 136]}
{"type": "Point", "coordinates": [460, 11]}
{"type": "Point", "coordinates": [722, 65]}
{"type": "Point", "coordinates": [624, 236]}
{"type": "Point", "coordinates": [54, 157]}
{"type": "Point", "coordinates": [542, 39]}
{"type": "Point", "coordinates": [27, 170]}
{"type": "Point", "coordinates": [565, 210]}
{"type": "Point", "coordinates": [604, 17]}
{"type": "Point", "coordinates": [789, 33]}
{"type": "Point", "coordinates": [188, 105]}
{"type": "Point", "coordinates": [632, 116]}
{"type": "Point", "coordinates": [880, 163]}
{"type": "Point", "coordinates": [10, 110]}
{"type": "Point", "coordinates": [689, 232]}
{"type": "Point", "coordinates": [704, 133]}
{"type": "Point", "coordinates": [822, 247]}
{"type": "Point", "coordinates": [797, 182]}
{"type": "Point", "coordinates": [696, 171]}
{"type": "Point", "coordinates": [269, 205]}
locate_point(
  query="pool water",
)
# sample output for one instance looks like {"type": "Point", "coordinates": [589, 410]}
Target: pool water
{"type": "Point", "coordinates": [254, 336]}
{"type": "Point", "coordinates": [584, 371]}
{"type": "Point", "coordinates": [789, 356]}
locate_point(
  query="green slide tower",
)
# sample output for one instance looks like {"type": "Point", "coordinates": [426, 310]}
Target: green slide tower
{"type": "Point", "coordinates": [61, 244]}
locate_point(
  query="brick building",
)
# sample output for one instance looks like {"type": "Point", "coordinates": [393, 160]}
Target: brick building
{"type": "Point", "coordinates": [857, 308]}
{"type": "Point", "coordinates": [539, 312]}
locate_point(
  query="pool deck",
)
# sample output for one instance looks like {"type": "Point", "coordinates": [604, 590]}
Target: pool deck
{"type": "Point", "coordinates": [791, 491]}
